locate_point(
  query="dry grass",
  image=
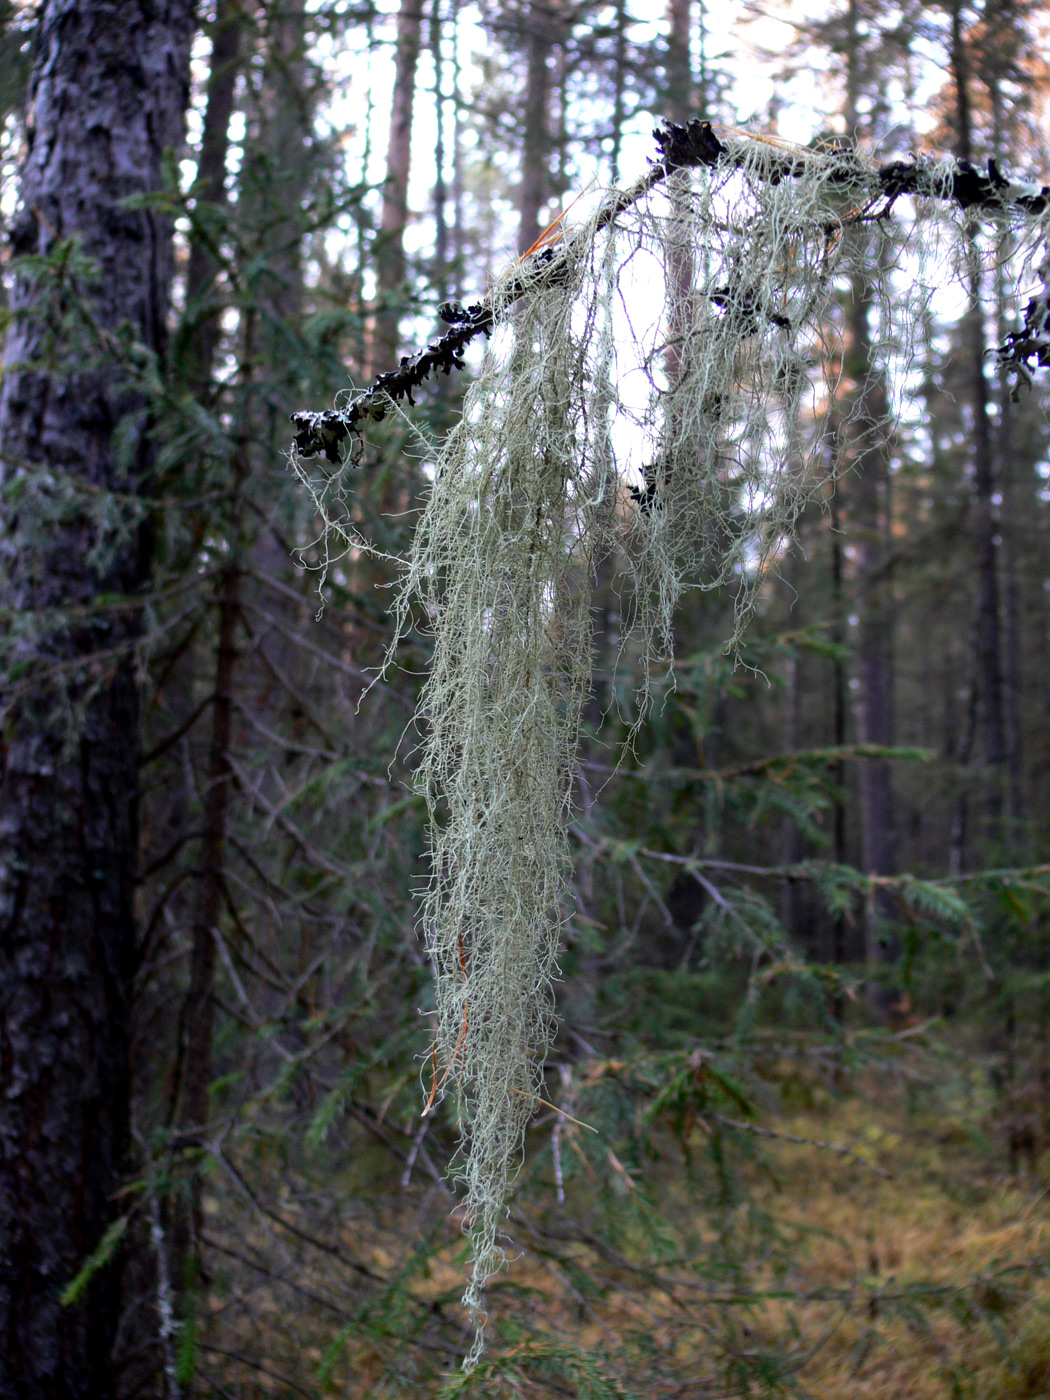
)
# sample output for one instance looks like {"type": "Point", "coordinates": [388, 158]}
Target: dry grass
{"type": "Point", "coordinates": [912, 1287]}
{"type": "Point", "coordinates": [950, 1214]}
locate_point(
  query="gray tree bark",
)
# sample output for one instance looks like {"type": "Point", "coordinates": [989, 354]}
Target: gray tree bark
{"type": "Point", "coordinates": [680, 93]}
{"type": "Point", "coordinates": [989, 628]}
{"type": "Point", "coordinates": [200, 334]}
{"type": "Point", "coordinates": [107, 95]}
{"type": "Point", "coordinates": [867, 496]}
{"type": "Point", "coordinates": [390, 248]}
{"type": "Point", "coordinates": [544, 30]}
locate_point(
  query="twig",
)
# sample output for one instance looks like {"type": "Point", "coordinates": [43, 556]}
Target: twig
{"type": "Point", "coordinates": [293, 1229]}
{"type": "Point", "coordinates": [554, 1107]}
{"type": "Point", "coordinates": [842, 1150]}
{"type": "Point", "coordinates": [683, 148]}
{"type": "Point", "coordinates": [254, 1365]}
{"type": "Point", "coordinates": [169, 1325]}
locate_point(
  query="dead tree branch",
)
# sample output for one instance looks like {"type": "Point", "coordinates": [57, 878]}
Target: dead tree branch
{"type": "Point", "coordinates": [684, 148]}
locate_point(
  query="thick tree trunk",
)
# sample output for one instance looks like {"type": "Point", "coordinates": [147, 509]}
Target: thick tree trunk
{"type": "Point", "coordinates": [107, 97]}
{"type": "Point", "coordinates": [390, 247]}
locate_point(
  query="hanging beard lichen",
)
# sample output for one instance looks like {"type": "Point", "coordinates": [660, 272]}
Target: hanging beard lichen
{"type": "Point", "coordinates": [662, 391]}
{"type": "Point", "coordinates": [500, 564]}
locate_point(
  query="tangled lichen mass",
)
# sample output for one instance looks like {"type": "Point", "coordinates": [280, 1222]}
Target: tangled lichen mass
{"type": "Point", "coordinates": [714, 287]}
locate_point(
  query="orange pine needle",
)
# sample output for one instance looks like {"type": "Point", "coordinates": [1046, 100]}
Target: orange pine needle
{"type": "Point", "coordinates": [553, 232]}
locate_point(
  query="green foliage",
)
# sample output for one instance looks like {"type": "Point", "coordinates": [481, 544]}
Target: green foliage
{"type": "Point", "coordinates": [936, 901]}
{"type": "Point", "coordinates": [188, 1336]}
{"type": "Point", "coordinates": [100, 1256]}
{"type": "Point", "coordinates": [536, 1363]}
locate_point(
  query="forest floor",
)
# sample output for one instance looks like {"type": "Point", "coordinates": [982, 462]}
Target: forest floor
{"type": "Point", "coordinates": [916, 1268]}
{"type": "Point", "coordinates": [954, 1211]}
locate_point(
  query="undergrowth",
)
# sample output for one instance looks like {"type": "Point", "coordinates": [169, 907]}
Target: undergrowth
{"type": "Point", "coordinates": [864, 1237]}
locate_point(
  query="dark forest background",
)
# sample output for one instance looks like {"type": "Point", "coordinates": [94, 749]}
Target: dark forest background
{"type": "Point", "coordinates": [808, 944]}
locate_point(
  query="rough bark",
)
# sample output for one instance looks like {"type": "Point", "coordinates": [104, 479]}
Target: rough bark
{"type": "Point", "coordinates": [390, 247]}
{"type": "Point", "coordinates": [107, 96]}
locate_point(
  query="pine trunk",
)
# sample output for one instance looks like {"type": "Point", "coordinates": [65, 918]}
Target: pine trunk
{"type": "Point", "coordinates": [390, 248]}
{"type": "Point", "coordinates": [988, 638]}
{"type": "Point", "coordinates": [541, 36]}
{"type": "Point", "coordinates": [201, 331]}
{"type": "Point", "coordinates": [867, 494]}
{"type": "Point", "coordinates": [107, 96]}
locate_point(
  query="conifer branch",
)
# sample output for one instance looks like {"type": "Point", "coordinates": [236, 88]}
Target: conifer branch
{"type": "Point", "coordinates": [688, 147]}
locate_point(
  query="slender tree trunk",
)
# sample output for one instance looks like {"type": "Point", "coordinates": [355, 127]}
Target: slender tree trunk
{"type": "Point", "coordinates": [872, 599]}
{"type": "Point", "coordinates": [543, 32]}
{"type": "Point", "coordinates": [199, 1014]}
{"type": "Point", "coordinates": [200, 332]}
{"type": "Point", "coordinates": [390, 247]}
{"type": "Point", "coordinates": [619, 89]}
{"type": "Point", "coordinates": [1012, 656]}
{"type": "Point", "coordinates": [278, 172]}
{"type": "Point", "coordinates": [1009, 523]}
{"type": "Point", "coordinates": [457, 152]}
{"type": "Point", "coordinates": [282, 158]}
{"type": "Point", "coordinates": [193, 1070]}
{"type": "Point", "coordinates": [868, 494]}
{"type": "Point", "coordinates": [107, 97]}
{"type": "Point", "coordinates": [989, 642]}
{"type": "Point", "coordinates": [441, 246]}
{"type": "Point", "coordinates": [681, 91]}
{"type": "Point", "coordinates": [868, 504]}
{"type": "Point", "coordinates": [839, 715]}
{"type": "Point", "coordinates": [678, 99]}
{"type": "Point", "coordinates": [792, 845]}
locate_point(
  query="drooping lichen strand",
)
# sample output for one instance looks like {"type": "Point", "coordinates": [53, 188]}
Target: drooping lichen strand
{"type": "Point", "coordinates": [499, 567]}
{"type": "Point", "coordinates": [734, 418]}
{"type": "Point", "coordinates": [669, 391]}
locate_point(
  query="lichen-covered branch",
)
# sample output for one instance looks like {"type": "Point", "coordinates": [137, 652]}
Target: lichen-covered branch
{"type": "Point", "coordinates": [689, 147]}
